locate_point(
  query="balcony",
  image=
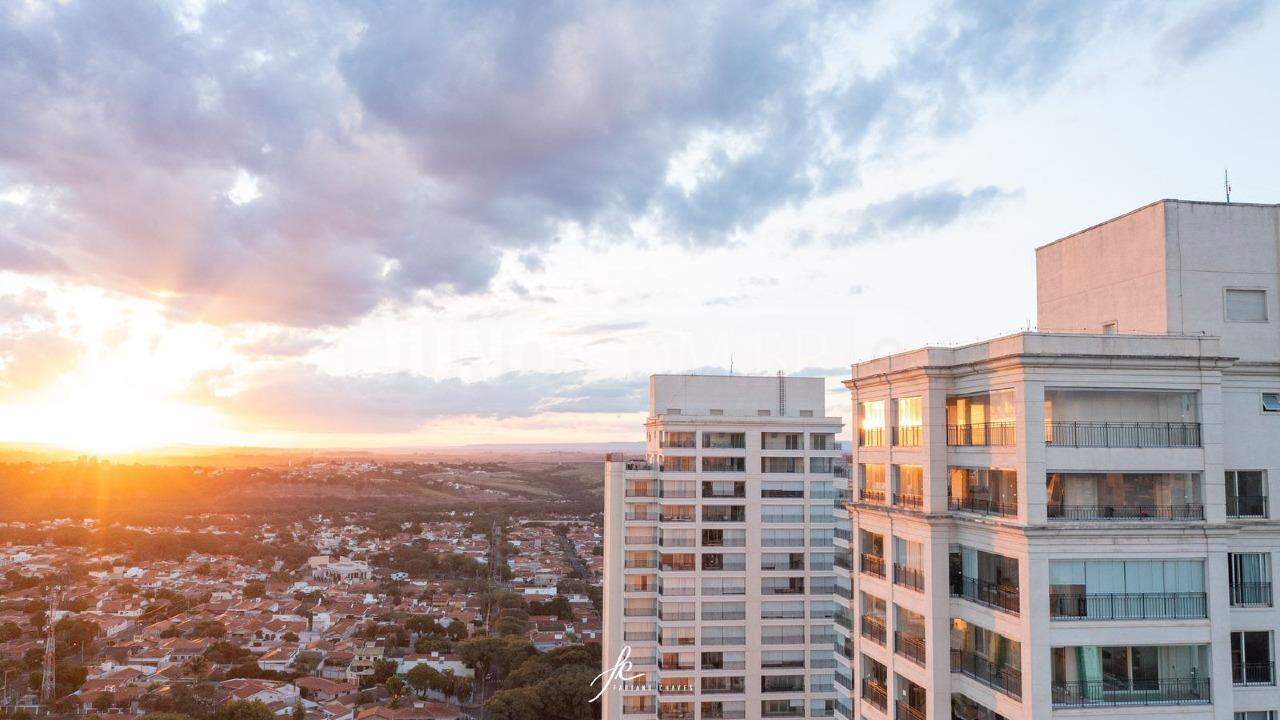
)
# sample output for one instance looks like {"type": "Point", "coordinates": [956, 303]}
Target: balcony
{"type": "Point", "coordinates": [873, 629]}
{"type": "Point", "coordinates": [1128, 606]}
{"type": "Point", "coordinates": [872, 496]}
{"type": "Point", "coordinates": [908, 577]}
{"type": "Point", "coordinates": [873, 564]}
{"type": "Point", "coordinates": [870, 437]}
{"type": "Point", "coordinates": [910, 647]}
{"type": "Point", "coordinates": [1122, 692]}
{"type": "Point", "coordinates": [914, 501]}
{"type": "Point", "coordinates": [682, 517]}
{"type": "Point", "coordinates": [908, 436]}
{"type": "Point", "coordinates": [1094, 513]}
{"type": "Point", "coordinates": [907, 711]}
{"type": "Point", "coordinates": [1006, 679]}
{"type": "Point", "coordinates": [1253, 674]}
{"type": "Point", "coordinates": [875, 694]}
{"type": "Point", "coordinates": [1251, 594]}
{"type": "Point", "coordinates": [982, 505]}
{"type": "Point", "coordinates": [985, 592]}
{"type": "Point", "coordinates": [641, 516]}
{"type": "Point", "coordinates": [1247, 506]}
{"type": "Point", "coordinates": [986, 434]}
{"type": "Point", "coordinates": [1070, 433]}
{"type": "Point", "coordinates": [723, 714]}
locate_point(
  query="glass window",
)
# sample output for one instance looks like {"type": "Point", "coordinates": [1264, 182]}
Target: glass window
{"type": "Point", "coordinates": [724, 464]}
{"type": "Point", "coordinates": [1271, 402]}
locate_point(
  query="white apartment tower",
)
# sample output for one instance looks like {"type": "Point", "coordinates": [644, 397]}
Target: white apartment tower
{"type": "Point", "coordinates": [719, 559]}
{"type": "Point", "coordinates": [1076, 522]}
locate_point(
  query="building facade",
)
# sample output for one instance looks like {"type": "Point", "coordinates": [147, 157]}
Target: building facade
{"type": "Point", "coordinates": [1076, 522]}
{"type": "Point", "coordinates": [719, 558]}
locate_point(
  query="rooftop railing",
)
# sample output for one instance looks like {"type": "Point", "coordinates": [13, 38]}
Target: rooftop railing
{"type": "Point", "coordinates": [1071, 433]}
{"type": "Point", "coordinates": [983, 505]}
{"type": "Point", "coordinates": [1247, 506]}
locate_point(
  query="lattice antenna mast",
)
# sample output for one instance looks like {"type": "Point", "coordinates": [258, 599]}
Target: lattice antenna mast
{"type": "Point", "coordinates": [48, 681]}
{"type": "Point", "coordinates": [782, 396]}
{"type": "Point", "coordinates": [1226, 184]}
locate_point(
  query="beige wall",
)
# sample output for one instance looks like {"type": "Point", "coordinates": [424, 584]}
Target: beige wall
{"type": "Point", "coordinates": [1113, 272]}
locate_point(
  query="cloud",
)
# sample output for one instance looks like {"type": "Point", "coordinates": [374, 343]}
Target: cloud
{"type": "Point", "coordinates": [727, 300]}
{"type": "Point", "coordinates": [919, 211]}
{"type": "Point", "coordinates": [604, 328]}
{"type": "Point", "coordinates": [300, 397]}
{"type": "Point", "coordinates": [30, 360]}
{"type": "Point", "coordinates": [304, 163]}
{"type": "Point", "coordinates": [1212, 27]}
{"type": "Point", "coordinates": [282, 343]}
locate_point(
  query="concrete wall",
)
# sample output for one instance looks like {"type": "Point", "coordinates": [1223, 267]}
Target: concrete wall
{"type": "Point", "coordinates": [1113, 272]}
{"type": "Point", "coordinates": [735, 395]}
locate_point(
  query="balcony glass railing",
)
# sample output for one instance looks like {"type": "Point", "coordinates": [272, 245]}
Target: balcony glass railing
{"type": "Point", "coordinates": [1118, 692]}
{"type": "Point", "coordinates": [1007, 680]}
{"type": "Point", "coordinates": [983, 434]}
{"type": "Point", "coordinates": [1128, 606]}
{"type": "Point", "coordinates": [1070, 433]}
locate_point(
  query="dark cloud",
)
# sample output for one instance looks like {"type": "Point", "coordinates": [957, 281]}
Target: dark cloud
{"type": "Point", "coordinates": [1214, 25]}
{"type": "Point", "coordinates": [302, 398]}
{"type": "Point", "coordinates": [919, 211]}
{"type": "Point", "coordinates": [400, 148]}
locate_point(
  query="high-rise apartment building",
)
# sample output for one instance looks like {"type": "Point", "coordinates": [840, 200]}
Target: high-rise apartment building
{"type": "Point", "coordinates": [719, 559]}
{"type": "Point", "coordinates": [1076, 522]}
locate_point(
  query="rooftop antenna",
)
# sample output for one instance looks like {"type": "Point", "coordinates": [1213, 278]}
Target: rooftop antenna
{"type": "Point", "coordinates": [1226, 184]}
{"type": "Point", "coordinates": [782, 396]}
{"type": "Point", "coordinates": [730, 363]}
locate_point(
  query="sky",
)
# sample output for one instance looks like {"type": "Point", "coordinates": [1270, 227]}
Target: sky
{"type": "Point", "coordinates": [393, 224]}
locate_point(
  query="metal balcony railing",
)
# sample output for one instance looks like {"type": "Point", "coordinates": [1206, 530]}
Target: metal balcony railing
{"type": "Point", "coordinates": [1092, 513]}
{"type": "Point", "coordinates": [873, 628]}
{"type": "Point", "coordinates": [1253, 674]}
{"type": "Point", "coordinates": [1006, 679]}
{"type": "Point", "coordinates": [1128, 606]}
{"type": "Point", "coordinates": [873, 564]}
{"type": "Point", "coordinates": [1118, 692]}
{"type": "Point", "coordinates": [914, 501]}
{"type": "Point", "coordinates": [985, 592]}
{"type": "Point", "coordinates": [907, 711]}
{"type": "Point", "coordinates": [907, 436]}
{"type": "Point", "coordinates": [986, 506]}
{"type": "Point", "coordinates": [875, 694]}
{"type": "Point", "coordinates": [983, 434]}
{"type": "Point", "coordinates": [1070, 433]}
{"type": "Point", "coordinates": [872, 496]}
{"type": "Point", "coordinates": [1251, 594]}
{"type": "Point", "coordinates": [1248, 506]}
{"type": "Point", "coordinates": [910, 647]}
{"type": "Point", "coordinates": [908, 577]}
{"type": "Point", "coordinates": [871, 437]}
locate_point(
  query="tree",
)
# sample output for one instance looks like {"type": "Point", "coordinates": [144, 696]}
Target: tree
{"type": "Point", "coordinates": [9, 631]}
{"type": "Point", "coordinates": [290, 636]}
{"type": "Point", "coordinates": [421, 678]}
{"type": "Point", "coordinates": [383, 670]}
{"type": "Point", "coordinates": [299, 712]}
{"type": "Point", "coordinates": [244, 710]}
{"type": "Point", "coordinates": [103, 701]}
{"type": "Point", "coordinates": [518, 704]}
